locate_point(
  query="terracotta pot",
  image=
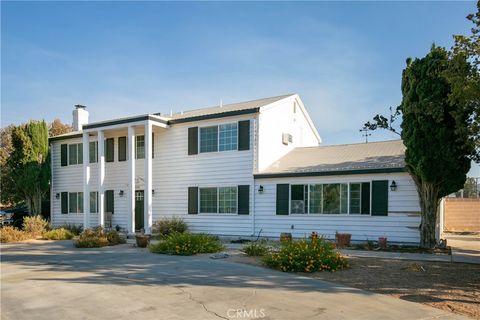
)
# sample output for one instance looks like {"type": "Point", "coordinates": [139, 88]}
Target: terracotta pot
{"type": "Point", "coordinates": [382, 242]}
{"type": "Point", "coordinates": [343, 239]}
{"type": "Point", "coordinates": [314, 236]}
{"type": "Point", "coordinates": [285, 236]}
{"type": "Point", "coordinates": [142, 240]}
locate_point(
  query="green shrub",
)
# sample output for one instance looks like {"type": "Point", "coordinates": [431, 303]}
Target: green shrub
{"type": "Point", "coordinates": [97, 237]}
{"type": "Point", "coordinates": [187, 244]}
{"type": "Point", "coordinates": [76, 229]}
{"type": "Point", "coordinates": [12, 234]}
{"type": "Point", "coordinates": [166, 226]}
{"type": "Point", "coordinates": [35, 225]}
{"type": "Point", "coordinates": [58, 234]}
{"type": "Point", "coordinates": [307, 255]}
{"type": "Point", "coordinates": [256, 249]}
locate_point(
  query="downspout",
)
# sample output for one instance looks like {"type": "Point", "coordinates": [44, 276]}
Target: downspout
{"type": "Point", "coordinates": [51, 184]}
{"type": "Point", "coordinates": [255, 168]}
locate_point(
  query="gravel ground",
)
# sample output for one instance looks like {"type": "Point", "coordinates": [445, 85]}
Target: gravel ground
{"type": "Point", "coordinates": [453, 287]}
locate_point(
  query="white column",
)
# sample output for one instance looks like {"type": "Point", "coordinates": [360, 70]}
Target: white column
{"type": "Point", "coordinates": [86, 181]}
{"type": "Point", "coordinates": [148, 178]}
{"type": "Point", "coordinates": [101, 178]}
{"type": "Point", "coordinates": [131, 179]}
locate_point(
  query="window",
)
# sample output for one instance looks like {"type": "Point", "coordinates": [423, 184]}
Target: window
{"type": "Point", "coordinates": [315, 196]}
{"type": "Point", "coordinates": [355, 198]}
{"type": "Point", "coordinates": [75, 202]}
{"type": "Point", "coordinates": [93, 151]}
{"type": "Point", "coordinates": [299, 196]}
{"type": "Point", "coordinates": [75, 153]}
{"type": "Point", "coordinates": [227, 200]}
{"type": "Point", "coordinates": [93, 202]}
{"type": "Point", "coordinates": [227, 137]}
{"type": "Point", "coordinates": [209, 139]}
{"type": "Point", "coordinates": [331, 198]}
{"type": "Point", "coordinates": [140, 147]}
{"type": "Point", "coordinates": [208, 200]}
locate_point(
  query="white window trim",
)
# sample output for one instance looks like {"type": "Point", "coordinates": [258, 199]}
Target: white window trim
{"type": "Point", "coordinates": [329, 214]}
{"type": "Point", "coordinates": [218, 138]}
{"type": "Point", "coordinates": [218, 207]}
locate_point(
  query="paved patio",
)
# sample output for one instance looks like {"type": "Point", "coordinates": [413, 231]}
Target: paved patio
{"type": "Point", "coordinates": [53, 280]}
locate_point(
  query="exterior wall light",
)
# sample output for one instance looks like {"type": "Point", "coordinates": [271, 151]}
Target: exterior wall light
{"type": "Point", "coordinates": [393, 186]}
{"type": "Point", "coordinates": [121, 193]}
{"type": "Point", "coordinates": [57, 195]}
{"type": "Point", "coordinates": [153, 192]}
{"type": "Point", "coordinates": [260, 189]}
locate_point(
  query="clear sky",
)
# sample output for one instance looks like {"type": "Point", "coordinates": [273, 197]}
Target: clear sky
{"type": "Point", "coordinates": [124, 58]}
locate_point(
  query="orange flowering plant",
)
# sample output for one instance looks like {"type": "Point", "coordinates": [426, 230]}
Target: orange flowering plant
{"type": "Point", "coordinates": [306, 255]}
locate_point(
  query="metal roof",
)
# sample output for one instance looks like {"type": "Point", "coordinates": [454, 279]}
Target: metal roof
{"type": "Point", "coordinates": [383, 156]}
{"type": "Point", "coordinates": [231, 107]}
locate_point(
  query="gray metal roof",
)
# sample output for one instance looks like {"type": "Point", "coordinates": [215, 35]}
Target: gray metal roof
{"type": "Point", "coordinates": [246, 105]}
{"type": "Point", "coordinates": [341, 158]}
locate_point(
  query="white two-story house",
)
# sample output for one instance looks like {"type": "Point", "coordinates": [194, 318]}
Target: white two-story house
{"type": "Point", "coordinates": [243, 169]}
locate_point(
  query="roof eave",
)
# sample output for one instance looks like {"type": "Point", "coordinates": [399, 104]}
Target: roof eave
{"type": "Point", "coordinates": [328, 173]}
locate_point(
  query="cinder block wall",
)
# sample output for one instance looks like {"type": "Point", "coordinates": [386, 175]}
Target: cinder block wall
{"type": "Point", "coordinates": [462, 215]}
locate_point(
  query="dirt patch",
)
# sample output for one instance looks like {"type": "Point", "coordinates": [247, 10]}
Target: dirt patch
{"type": "Point", "coordinates": [454, 287]}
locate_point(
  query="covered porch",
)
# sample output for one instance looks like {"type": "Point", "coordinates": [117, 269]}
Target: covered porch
{"type": "Point", "coordinates": [128, 129]}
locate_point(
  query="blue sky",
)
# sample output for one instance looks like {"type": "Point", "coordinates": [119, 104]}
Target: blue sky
{"type": "Point", "coordinates": [123, 58]}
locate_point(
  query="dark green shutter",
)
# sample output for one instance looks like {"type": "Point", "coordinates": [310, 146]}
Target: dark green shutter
{"type": "Point", "coordinates": [282, 199]}
{"type": "Point", "coordinates": [192, 200]}
{"type": "Point", "coordinates": [244, 199]}
{"type": "Point", "coordinates": [109, 150]}
{"type": "Point", "coordinates": [93, 155]}
{"type": "Point", "coordinates": [244, 135]}
{"type": "Point", "coordinates": [64, 155]}
{"type": "Point", "coordinates": [192, 140]}
{"type": "Point", "coordinates": [109, 205]}
{"type": "Point", "coordinates": [122, 148]}
{"type": "Point", "coordinates": [365, 198]}
{"type": "Point", "coordinates": [64, 202]}
{"type": "Point", "coordinates": [80, 153]}
{"type": "Point", "coordinates": [380, 198]}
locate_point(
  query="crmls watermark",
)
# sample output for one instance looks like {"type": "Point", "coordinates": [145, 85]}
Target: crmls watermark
{"type": "Point", "coordinates": [246, 314]}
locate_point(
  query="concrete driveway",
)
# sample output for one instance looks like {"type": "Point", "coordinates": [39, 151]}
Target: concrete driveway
{"type": "Point", "coordinates": [465, 248]}
{"type": "Point", "coordinates": [53, 280]}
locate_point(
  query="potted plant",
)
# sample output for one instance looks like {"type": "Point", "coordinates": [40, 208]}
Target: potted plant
{"type": "Point", "coordinates": [314, 236]}
{"type": "Point", "coordinates": [382, 242]}
{"type": "Point", "coordinates": [342, 240]}
{"type": "Point", "coordinates": [142, 239]}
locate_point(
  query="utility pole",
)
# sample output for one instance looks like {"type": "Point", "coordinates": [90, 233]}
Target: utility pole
{"type": "Point", "coordinates": [365, 133]}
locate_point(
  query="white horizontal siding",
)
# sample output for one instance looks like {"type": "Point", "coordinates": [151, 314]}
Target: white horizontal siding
{"type": "Point", "coordinates": [174, 171]}
{"type": "Point", "coordinates": [401, 224]}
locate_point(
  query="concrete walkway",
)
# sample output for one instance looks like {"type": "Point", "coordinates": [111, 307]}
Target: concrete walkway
{"type": "Point", "coordinates": [53, 280]}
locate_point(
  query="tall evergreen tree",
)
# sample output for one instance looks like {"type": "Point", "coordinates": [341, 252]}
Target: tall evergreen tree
{"type": "Point", "coordinates": [29, 164]}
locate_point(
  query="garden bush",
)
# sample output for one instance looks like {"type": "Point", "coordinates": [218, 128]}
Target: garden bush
{"type": "Point", "coordinates": [58, 234]}
{"type": "Point", "coordinates": [187, 244]}
{"type": "Point", "coordinates": [35, 225]}
{"type": "Point", "coordinates": [166, 226]}
{"type": "Point", "coordinates": [114, 238]}
{"type": "Point", "coordinates": [97, 237]}
{"type": "Point", "coordinates": [306, 255]}
{"type": "Point", "coordinates": [76, 229]}
{"type": "Point", "coordinates": [12, 234]}
{"type": "Point", "coordinates": [256, 249]}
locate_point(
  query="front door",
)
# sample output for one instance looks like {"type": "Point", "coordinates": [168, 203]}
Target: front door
{"type": "Point", "coordinates": [139, 205]}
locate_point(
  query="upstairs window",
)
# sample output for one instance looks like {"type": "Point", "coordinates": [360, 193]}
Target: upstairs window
{"type": "Point", "coordinates": [227, 137]}
{"type": "Point", "coordinates": [219, 138]}
{"type": "Point", "coordinates": [140, 147]}
{"type": "Point", "coordinates": [75, 153]}
{"type": "Point", "coordinates": [209, 139]}
{"type": "Point", "coordinates": [93, 154]}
